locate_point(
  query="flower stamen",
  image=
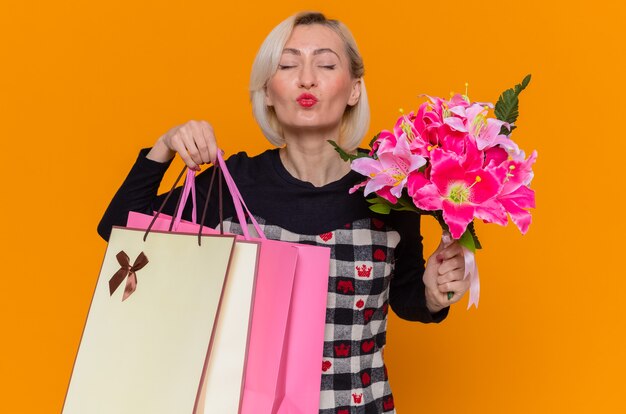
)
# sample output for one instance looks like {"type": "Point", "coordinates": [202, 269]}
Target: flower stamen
{"type": "Point", "coordinates": [406, 128]}
{"type": "Point", "coordinates": [466, 96]}
{"type": "Point", "coordinates": [476, 181]}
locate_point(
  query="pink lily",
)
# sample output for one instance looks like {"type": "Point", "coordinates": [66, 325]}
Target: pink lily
{"type": "Point", "coordinates": [461, 194]}
{"type": "Point", "coordinates": [390, 171]}
{"type": "Point", "coordinates": [515, 196]}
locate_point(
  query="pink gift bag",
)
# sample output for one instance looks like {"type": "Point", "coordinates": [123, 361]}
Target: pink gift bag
{"type": "Point", "coordinates": [300, 373]}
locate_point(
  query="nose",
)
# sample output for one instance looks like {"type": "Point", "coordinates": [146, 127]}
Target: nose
{"type": "Point", "coordinates": [307, 78]}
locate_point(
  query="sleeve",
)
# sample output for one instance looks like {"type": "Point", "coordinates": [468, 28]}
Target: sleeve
{"type": "Point", "coordinates": [407, 291]}
{"type": "Point", "coordinates": [138, 193]}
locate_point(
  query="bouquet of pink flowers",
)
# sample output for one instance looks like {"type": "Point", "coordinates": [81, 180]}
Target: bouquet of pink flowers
{"type": "Point", "coordinates": [454, 162]}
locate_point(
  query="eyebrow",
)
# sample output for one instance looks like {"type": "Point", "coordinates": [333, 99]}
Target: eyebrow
{"type": "Point", "coordinates": [316, 52]}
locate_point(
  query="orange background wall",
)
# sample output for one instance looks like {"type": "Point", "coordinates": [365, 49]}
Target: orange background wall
{"type": "Point", "coordinates": [85, 85]}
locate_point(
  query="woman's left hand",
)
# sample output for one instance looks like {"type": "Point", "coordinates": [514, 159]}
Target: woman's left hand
{"type": "Point", "coordinates": [444, 273]}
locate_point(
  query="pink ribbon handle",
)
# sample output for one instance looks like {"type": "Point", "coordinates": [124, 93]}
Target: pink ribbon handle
{"type": "Point", "coordinates": [240, 204]}
{"type": "Point", "coordinates": [471, 271]}
{"type": "Point", "coordinates": [188, 188]}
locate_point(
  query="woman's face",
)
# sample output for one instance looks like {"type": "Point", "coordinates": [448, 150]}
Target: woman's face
{"type": "Point", "coordinates": [312, 86]}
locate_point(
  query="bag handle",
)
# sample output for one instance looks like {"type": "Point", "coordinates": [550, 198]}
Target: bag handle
{"type": "Point", "coordinates": [240, 204]}
{"type": "Point", "coordinates": [206, 202]}
{"type": "Point", "coordinates": [189, 187]}
{"type": "Point", "coordinates": [167, 197]}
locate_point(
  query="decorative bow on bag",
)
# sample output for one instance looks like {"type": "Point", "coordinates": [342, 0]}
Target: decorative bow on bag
{"type": "Point", "coordinates": [127, 270]}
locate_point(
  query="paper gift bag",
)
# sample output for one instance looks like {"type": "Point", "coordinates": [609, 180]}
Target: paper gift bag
{"type": "Point", "coordinates": [299, 379]}
{"type": "Point", "coordinates": [299, 382]}
{"type": "Point", "coordinates": [223, 378]}
{"type": "Point", "coordinates": [150, 323]}
{"type": "Point", "coordinates": [277, 266]}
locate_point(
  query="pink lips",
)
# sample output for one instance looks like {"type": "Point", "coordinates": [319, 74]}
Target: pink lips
{"type": "Point", "coordinates": [307, 100]}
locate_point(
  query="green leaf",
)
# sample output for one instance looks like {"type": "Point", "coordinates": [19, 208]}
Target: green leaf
{"type": "Point", "coordinates": [377, 200]}
{"type": "Point", "coordinates": [472, 232]}
{"type": "Point", "coordinates": [467, 240]}
{"type": "Point", "coordinates": [381, 208]}
{"type": "Point", "coordinates": [405, 203]}
{"type": "Point", "coordinates": [508, 104]}
{"type": "Point", "coordinates": [374, 139]}
{"type": "Point", "coordinates": [523, 85]}
{"type": "Point", "coordinates": [344, 155]}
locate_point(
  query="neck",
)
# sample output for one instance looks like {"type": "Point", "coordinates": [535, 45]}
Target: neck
{"type": "Point", "coordinates": [312, 159]}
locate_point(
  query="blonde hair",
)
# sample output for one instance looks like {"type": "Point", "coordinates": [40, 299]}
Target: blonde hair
{"type": "Point", "coordinates": [355, 122]}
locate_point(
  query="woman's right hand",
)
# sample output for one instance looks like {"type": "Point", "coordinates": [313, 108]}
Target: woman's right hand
{"type": "Point", "coordinates": [194, 141]}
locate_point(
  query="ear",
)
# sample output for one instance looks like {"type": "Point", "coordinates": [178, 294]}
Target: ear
{"type": "Point", "coordinates": [355, 93]}
{"type": "Point", "coordinates": [268, 99]}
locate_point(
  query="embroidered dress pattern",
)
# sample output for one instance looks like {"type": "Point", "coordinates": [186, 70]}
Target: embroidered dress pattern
{"type": "Point", "coordinates": [354, 376]}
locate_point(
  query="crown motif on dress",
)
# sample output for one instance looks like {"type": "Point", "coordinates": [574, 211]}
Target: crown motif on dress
{"type": "Point", "coordinates": [342, 350]}
{"type": "Point", "coordinates": [364, 271]}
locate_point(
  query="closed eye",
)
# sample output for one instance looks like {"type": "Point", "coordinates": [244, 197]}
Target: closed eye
{"type": "Point", "coordinates": [329, 66]}
{"type": "Point", "coordinates": [283, 67]}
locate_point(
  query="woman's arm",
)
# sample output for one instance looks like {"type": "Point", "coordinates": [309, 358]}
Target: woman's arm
{"type": "Point", "coordinates": [407, 292]}
{"type": "Point", "coordinates": [419, 289]}
{"type": "Point", "coordinates": [138, 193]}
{"type": "Point", "coordinates": [194, 141]}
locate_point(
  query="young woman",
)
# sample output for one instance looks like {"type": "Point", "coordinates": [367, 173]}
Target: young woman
{"type": "Point", "coordinates": [306, 88]}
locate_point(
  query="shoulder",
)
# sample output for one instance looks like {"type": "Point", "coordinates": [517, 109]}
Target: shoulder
{"type": "Point", "coordinates": [243, 159]}
{"type": "Point", "coordinates": [243, 166]}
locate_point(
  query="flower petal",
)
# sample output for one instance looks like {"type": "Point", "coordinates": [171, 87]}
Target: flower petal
{"type": "Point", "coordinates": [415, 181]}
{"type": "Point", "coordinates": [492, 212]}
{"type": "Point", "coordinates": [519, 216]}
{"type": "Point", "coordinates": [489, 184]}
{"type": "Point", "coordinates": [445, 169]}
{"type": "Point", "coordinates": [457, 217]}
{"type": "Point", "coordinates": [366, 166]}
{"type": "Point", "coordinates": [455, 123]}
{"type": "Point", "coordinates": [354, 189]}
{"type": "Point", "coordinates": [384, 193]}
{"type": "Point", "coordinates": [428, 198]}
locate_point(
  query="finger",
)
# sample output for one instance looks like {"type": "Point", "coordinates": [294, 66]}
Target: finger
{"type": "Point", "coordinates": [209, 137]}
{"type": "Point", "coordinates": [190, 144]}
{"type": "Point", "coordinates": [451, 250]}
{"type": "Point", "coordinates": [200, 141]}
{"type": "Point", "coordinates": [459, 286]}
{"type": "Point", "coordinates": [453, 263]}
{"type": "Point", "coordinates": [437, 251]}
{"type": "Point", "coordinates": [179, 147]}
{"type": "Point", "coordinates": [451, 276]}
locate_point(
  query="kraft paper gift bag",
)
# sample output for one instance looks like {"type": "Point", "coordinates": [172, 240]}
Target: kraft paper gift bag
{"type": "Point", "coordinates": [150, 324]}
